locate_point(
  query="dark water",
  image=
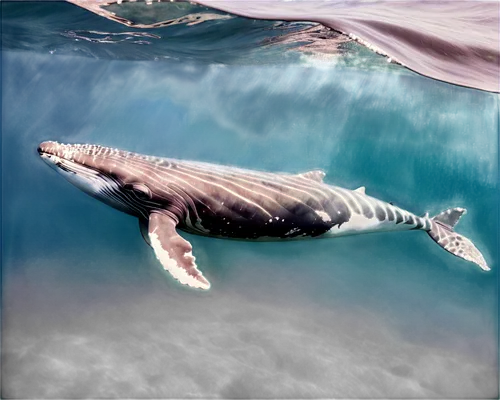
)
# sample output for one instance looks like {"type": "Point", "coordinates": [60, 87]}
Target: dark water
{"type": "Point", "coordinates": [89, 312]}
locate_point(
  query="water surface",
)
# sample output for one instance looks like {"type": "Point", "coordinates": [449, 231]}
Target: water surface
{"type": "Point", "coordinates": [453, 41]}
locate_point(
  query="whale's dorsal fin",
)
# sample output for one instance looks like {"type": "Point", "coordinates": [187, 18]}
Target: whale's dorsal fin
{"type": "Point", "coordinates": [361, 190]}
{"type": "Point", "coordinates": [315, 175]}
{"type": "Point", "coordinates": [174, 252]}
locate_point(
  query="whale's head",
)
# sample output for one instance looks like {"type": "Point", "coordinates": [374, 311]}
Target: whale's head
{"type": "Point", "coordinates": [102, 172]}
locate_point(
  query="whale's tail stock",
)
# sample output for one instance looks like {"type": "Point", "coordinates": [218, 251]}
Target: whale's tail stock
{"type": "Point", "coordinates": [443, 234]}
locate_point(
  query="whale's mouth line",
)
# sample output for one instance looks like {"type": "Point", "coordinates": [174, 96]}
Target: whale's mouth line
{"type": "Point", "coordinates": [50, 157]}
{"type": "Point", "coordinates": [57, 162]}
{"type": "Point", "coordinates": [66, 165]}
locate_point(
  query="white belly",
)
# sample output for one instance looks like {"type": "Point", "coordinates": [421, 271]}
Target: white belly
{"type": "Point", "coordinates": [358, 223]}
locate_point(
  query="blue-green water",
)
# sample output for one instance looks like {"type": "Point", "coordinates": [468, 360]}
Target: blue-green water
{"type": "Point", "coordinates": [295, 86]}
{"type": "Point", "coordinates": [89, 312]}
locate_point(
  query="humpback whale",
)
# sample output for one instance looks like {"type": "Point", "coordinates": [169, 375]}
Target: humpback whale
{"type": "Point", "coordinates": [226, 202]}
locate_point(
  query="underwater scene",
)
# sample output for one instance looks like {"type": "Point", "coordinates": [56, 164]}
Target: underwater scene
{"type": "Point", "coordinates": [305, 110]}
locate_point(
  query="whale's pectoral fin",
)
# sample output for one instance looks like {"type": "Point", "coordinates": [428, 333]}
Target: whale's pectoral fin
{"type": "Point", "coordinates": [174, 252]}
{"type": "Point", "coordinates": [316, 175]}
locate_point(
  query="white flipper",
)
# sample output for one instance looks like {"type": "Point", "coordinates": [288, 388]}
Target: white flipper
{"type": "Point", "coordinates": [174, 252]}
{"type": "Point", "coordinates": [361, 190]}
{"type": "Point", "coordinates": [315, 175]}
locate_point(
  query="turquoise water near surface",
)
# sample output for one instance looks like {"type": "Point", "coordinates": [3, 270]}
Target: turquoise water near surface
{"type": "Point", "coordinates": [89, 312]}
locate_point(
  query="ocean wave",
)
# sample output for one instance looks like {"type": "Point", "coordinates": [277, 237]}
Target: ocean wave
{"type": "Point", "coordinates": [173, 32]}
{"type": "Point", "coordinates": [456, 42]}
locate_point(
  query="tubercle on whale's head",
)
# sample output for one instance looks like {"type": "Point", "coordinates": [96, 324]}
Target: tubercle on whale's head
{"type": "Point", "coordinates": [78, 158]}
{"type": "Point", "coordinates": [81, 156]}
{"type": "Point", "coordinates": [74, 152]}
{"type": "Point", "coordinates": [99, 171]}
{"type": "Point", "coordinates": [74, 159]}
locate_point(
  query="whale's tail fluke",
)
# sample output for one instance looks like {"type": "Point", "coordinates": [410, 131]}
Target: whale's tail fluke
{"type": "Point", "coordinates": [443, 234]}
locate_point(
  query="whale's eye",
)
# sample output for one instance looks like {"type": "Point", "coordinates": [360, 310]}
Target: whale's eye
{"type": "Point", "coordinates": [139, 190]}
